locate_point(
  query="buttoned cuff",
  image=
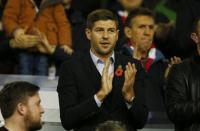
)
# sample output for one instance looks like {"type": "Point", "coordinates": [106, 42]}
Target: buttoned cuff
{"type": "Point", "coordinates": [97, 101]}
{"type": "Point", "coordinates": [129, 104]}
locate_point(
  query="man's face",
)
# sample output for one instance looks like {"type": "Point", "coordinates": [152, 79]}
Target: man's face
{"type": "Point", "coordinates": [131, 4]}
{"type": "Point", "coordinates": [198, 32]}
{"type": "Point", "coordinates": [141, 32]}
{"type": "Point", "coordinates": [195, 36]}
{"type": "Point", "coordinates": [103, 37]}
{"type": "Point", "coordinates": [34, 113]}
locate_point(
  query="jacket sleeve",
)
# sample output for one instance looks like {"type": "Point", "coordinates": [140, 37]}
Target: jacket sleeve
{"type": "Point", "coordinates": [63, 24]}
{"type": "Point", "coordinates": [10, 16]}
{"type": "Point", "coordinates": [72, 112]}
{"type": "Point", "coordinates": [180, 109]}
{"type": "Point", "coordinates": [139, 111]}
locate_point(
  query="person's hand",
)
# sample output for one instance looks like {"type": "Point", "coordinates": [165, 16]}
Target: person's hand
{"type": "Point", "coordinates": [106, 82]}
{"type": "Point", "coordinates": [44, 46]}
{"type": "Point", "coordinates": [67, 49]}
{"type": "Point", "coordinates": [25, 40]}
{"type": "Point", "coordinates": [173, 60]}
{"type": "Point", "coordinates": [14, 44]}
{"type": "Point", "coordinates": [128, 90]}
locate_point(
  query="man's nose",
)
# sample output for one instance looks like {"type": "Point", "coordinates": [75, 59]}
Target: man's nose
{"type": "Point", "coordinates": [42, 110]}
{"type": "Point", "coordinates": [147, 31]}
{"type": "Point", "coordinates": [105, 34]}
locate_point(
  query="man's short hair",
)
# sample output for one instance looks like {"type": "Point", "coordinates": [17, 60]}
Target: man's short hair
{"type": "Point", "coordinates": [111, 126]}
{"type": "Point", "coordinates": [100, 14]}
{"type": "Point", "coordinates": [195, 24]}
{"type": "Point", "coordinates": [138, 12]}
{"type": "Point", "coordinates": [14, 93]}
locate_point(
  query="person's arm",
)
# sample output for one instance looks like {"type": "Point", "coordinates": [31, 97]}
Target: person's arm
{"type": "Point", "coordinates": [10, 16]}
{"type": "Point", "coordinates": [64, 27]}
{"type": "Point", "coordinates": [181, 110]}
{"type": "Point", "coordinates": [57, 52]}
{"type": "Point", "coordinates": [138, 111]}
{"type": "Point", "coordinates": [72, 111]}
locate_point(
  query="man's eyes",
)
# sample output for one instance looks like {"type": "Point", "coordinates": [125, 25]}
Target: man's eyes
{"type": "Point", "coordinates": [109, 30]}
{"type": "Point", "coordinates": [112, 30]}
{"type": "Point", "coordinates": [143, 27]}
{"type": "Point", "coordinates": [99, 30]}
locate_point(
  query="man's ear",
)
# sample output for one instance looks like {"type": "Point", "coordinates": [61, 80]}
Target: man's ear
{"type": "Point", "coordinates": [127, 31]}
{"type": "Point", "coordinates": [194, 37]}
{"type": "Point", "coordinates": [88, 33]}
{"type": "Point", "coordinates": [21, 109]}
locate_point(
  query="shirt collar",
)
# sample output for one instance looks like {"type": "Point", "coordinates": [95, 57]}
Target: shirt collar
{"type": "Point", "coordinates": [97, 60]}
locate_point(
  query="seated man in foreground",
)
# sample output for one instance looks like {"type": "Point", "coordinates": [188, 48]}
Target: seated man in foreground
{"type": "Point", "coordinates": [20, 107]}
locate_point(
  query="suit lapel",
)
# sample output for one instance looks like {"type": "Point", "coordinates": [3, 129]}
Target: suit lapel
{"type": "Point", "coordinates": [91, 71]}
{"type": "Point", "coordinates": [114, 99]}
{"type": "Point", "coordinates": [118, 82]}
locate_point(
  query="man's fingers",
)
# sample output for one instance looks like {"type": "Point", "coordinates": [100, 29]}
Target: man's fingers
{"type": "Point", "coordinates": [131, 70]}
{"type": "Point", "coordinates": [32, 37]}
{"type": "Point", "coordinates": [175, 60]}
{"type": "Point", "coordinates": [134, 68]}
{"type": "Point", "coordinates": [110, 78]}
{"type": "Point", "coordinates": [106, 67]}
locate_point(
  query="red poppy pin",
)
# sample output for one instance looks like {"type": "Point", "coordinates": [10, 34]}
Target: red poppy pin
{"type": "Point", "coordinates": [119, 71]}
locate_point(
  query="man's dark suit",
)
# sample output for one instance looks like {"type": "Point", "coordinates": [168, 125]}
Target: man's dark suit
{"type": "Point", "coordinates": [79, 81]}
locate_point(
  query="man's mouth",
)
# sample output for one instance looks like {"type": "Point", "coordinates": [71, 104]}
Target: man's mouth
{"type": "Point", "coordinates": [104, 43]}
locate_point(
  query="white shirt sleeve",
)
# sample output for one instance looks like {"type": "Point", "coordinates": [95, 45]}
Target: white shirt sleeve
{"type": "Point", "coordinates": [129, 105]}
{"type": "Point", "coordinates": [97, 101]}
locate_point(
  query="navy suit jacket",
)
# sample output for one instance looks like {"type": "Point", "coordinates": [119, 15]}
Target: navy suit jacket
{"type": "Point", "coordinates": [79, 81]}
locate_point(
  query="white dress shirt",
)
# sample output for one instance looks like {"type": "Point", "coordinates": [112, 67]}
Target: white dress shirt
{"type": "Point", "coordinates": [100, 65]}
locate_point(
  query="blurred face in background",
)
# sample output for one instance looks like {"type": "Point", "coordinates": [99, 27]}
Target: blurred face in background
{"type": "Point", "coordinates": [141, 32]}
{"type": "Point", "coordinates": [130, 4]}
{"type": "Point", "coordinates": [196, 36]}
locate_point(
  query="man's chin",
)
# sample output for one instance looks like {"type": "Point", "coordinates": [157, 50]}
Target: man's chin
{"type": "Point", "coordinates": [105, 53]}
{"type": "Point", "coordinates": [36, 127]}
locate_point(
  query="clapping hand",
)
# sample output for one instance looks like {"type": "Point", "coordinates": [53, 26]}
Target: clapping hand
{"type": "Point", "coordinates": [106, 82]}
{"type": "Point", "coordinates": [174, 60]}
{"type": "Point", "coordinates": [128, 90]}
{"type": "Point", "coordinates": [44, 46]}
{"type": "Point", "coordinates": [23, 40]}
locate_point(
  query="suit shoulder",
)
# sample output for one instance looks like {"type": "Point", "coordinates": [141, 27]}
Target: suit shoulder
{"type": "Point", "coordinates": [75, 58]}
{"type": "Point", "coordinates": [127, 59]}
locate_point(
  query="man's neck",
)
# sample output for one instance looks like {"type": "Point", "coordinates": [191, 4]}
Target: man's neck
{"type": "Point", "coordinates": [13, 125]}
{"type": "Point", "coordinates": [140, 54]}
{"type": "Point", "coordinates": [104, 58]}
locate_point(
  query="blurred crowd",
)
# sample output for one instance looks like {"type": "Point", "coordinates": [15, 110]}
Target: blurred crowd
{"type": "Point", "coordinates": [67, 33]}
{"type": "Point", "coordinates": [36, 35]}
